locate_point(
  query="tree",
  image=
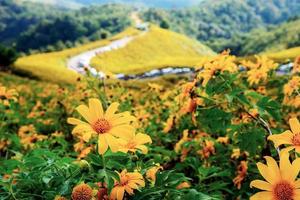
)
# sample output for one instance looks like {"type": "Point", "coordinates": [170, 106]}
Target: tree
{"type": "Point", "coordinates": [7, 56]}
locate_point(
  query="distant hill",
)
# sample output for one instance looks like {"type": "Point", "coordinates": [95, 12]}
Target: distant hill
{"type": "Point", "coordinates": [214, 22]}
{"type": "Point", "coordinates": [169, 4]}
{"type": "Point", "coordinates": [266, 39]}
{"type": "Point", "coordinates": [157, 48]}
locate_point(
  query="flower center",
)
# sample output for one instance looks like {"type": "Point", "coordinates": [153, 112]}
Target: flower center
{"type": "Point", "coordinates": [296, 139]}
{"type": "Point", "coordinates": [102, 126]}
{"type": "Point", "coordinates": [131, 145]}
{"type": "Point", "coordinates": [283, 191]}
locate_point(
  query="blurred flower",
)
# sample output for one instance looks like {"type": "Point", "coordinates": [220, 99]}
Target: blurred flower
{"type": "Point", "coordinates": [183, 185]}
{"type": "Point", "coordinates": [107, 126]}
{"type": "Point", "coordinates": [6, 94]}
{"type": "Point", "coordinates": [241, 174]}
{"type": "Point", "coordinates": [280, 181]}
{"type": "Point", "coordinates": [292, 86]}
{"type": "Point", "coordinates": [82, 192]}
{"type": "Point", "coordinates": [223, 140]}
{"type": "Point", "coordinates": [207, 150]}
{"type": "Point", "coordinates": [169, 124]}
{"type": "Point", "coordinates": [235, 153]}
{"type": "Point", "coordinates": [291, 137]}
{"type": "Point", "coordinates": [151, 173]}
{"type": "Point", "coordinates": [128, 182]}
{"type": "Point", "coordinates": [178, 145]}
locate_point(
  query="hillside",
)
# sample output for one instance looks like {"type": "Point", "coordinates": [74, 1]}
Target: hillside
{"type": "Point", "coordinates": [53, 66]}
{"type": "Point", "coordinates": [27, 25]}
{"type": "Point", "coordinates": [214, 22]}
{"type": "Point", "coordinates": [271, 39]}
{"type": "Point", "coordinates": [153, 3]}
{"type": "Point", "coordinates": [157, 48]}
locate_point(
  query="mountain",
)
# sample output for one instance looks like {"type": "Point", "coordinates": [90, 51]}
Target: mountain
{"type": "Point", "coordinates": [214, 22]}
{"type": "Point", "coordinates": [152, 3]}
{"type": "Point", "coordinates": [26, 25]}
{"type": "Point", "coordinates": [268, 39]}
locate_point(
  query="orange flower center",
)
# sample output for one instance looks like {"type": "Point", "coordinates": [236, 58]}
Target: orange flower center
{"type": "Point", "coordinates": [283, 191]}
{"type": "Point", "coordinates": [131, 145]}
{"type": "Point", "coordinates": [102, 126]}
{"type": "Point", "coordinates": [296, 139]}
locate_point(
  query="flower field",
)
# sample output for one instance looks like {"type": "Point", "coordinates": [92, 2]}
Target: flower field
{"type": "Point", "coordinates": [221, 133]}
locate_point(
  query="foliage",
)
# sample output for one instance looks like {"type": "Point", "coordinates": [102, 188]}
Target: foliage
{"type": "Point", "coordinates": [27, 25]}
{"type": "Point", "coordinates": [7, 56]}
{"type": "Point", "coordinates": [214, 22]}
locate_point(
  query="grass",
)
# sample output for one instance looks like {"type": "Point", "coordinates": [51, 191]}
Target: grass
{"type": "Point", "coordinates": [284, 56]}
{"type": "Point", "coordinates": [157, 48]}
{"type": "Point", "coordinates": [52, 66]}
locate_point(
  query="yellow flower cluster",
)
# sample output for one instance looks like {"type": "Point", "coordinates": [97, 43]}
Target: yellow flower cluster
{"type": "Point", "coordinates": [258, 71]}
{"type": "Point", "coordinates": [113, 130]}
{"type": "Point", "coordinates": [7, 94]}
{"type": "Point", "coordinates": [223, 62]}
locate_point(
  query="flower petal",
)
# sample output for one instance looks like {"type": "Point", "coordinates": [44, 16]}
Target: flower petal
{"type": "Point", "coordinates": [143, 138]}
{"type": "Point", "coordinates": [75, 121]}
{"type": "Point", "coordinates": [263, 185]}
{"type": "Point", "coordinates": [85, 112]}
{"type": "Point", "coordinates": [295, 125]}
{"type": "Point", "coordinates": [271, 174]}
{"type": "Point", "coordinates": [262, 196]}
{"type": "Point", "coordinates": [102, 145]}
{"type": "Point", "coordinates": [123, 131]}
{"type": "Point", "coordinates": [111, 110]}
{"type": "Point", "coordinates": [283, 138]}
{"type": "Point", "coordinates": [297, 195]}
{"type": "Point", "coordinates": [112, 142]}
{"type": "Point", "coordinates": [96, 108]}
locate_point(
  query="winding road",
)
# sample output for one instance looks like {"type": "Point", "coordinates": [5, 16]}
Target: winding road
{"type": "Point", "coordinates": [81, 61]}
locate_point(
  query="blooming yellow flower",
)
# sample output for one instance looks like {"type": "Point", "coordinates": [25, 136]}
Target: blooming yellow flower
{"type": "Point", "coordinates": [108, 126]}
{"type": "Point", "coordinates": [128, 182]}
{"type": "Point", "coordinates": [288, 137]}
{"type": "Point", "coordinates": [280, 181]}
{"type": "Point", "coordinates": [151, 173]}
{"type": "Point", "coordinates": [292, 86]}
{"type": "Point", "coordinates": [134, 142]}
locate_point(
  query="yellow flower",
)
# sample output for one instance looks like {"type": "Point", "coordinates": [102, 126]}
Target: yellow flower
{"type": "Point", "coordinates": [256, 75]}
{"type": "Point", "coordinates": [151, 173]}
{"type": "Point", "coordinates": [185, 138]}
{"type": "Point", "coordinates": [108, 126]}
{"type": "Point", "coordinates": [134, 142]}
{"type": "Point", "coordinates": [128, 182]}
{"type": "Point", "coordinates": [288, 137]}
{"type": "Point", "coordinates": [292, 86]}
{"type": "Point", "coordinates": [280, 181]}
